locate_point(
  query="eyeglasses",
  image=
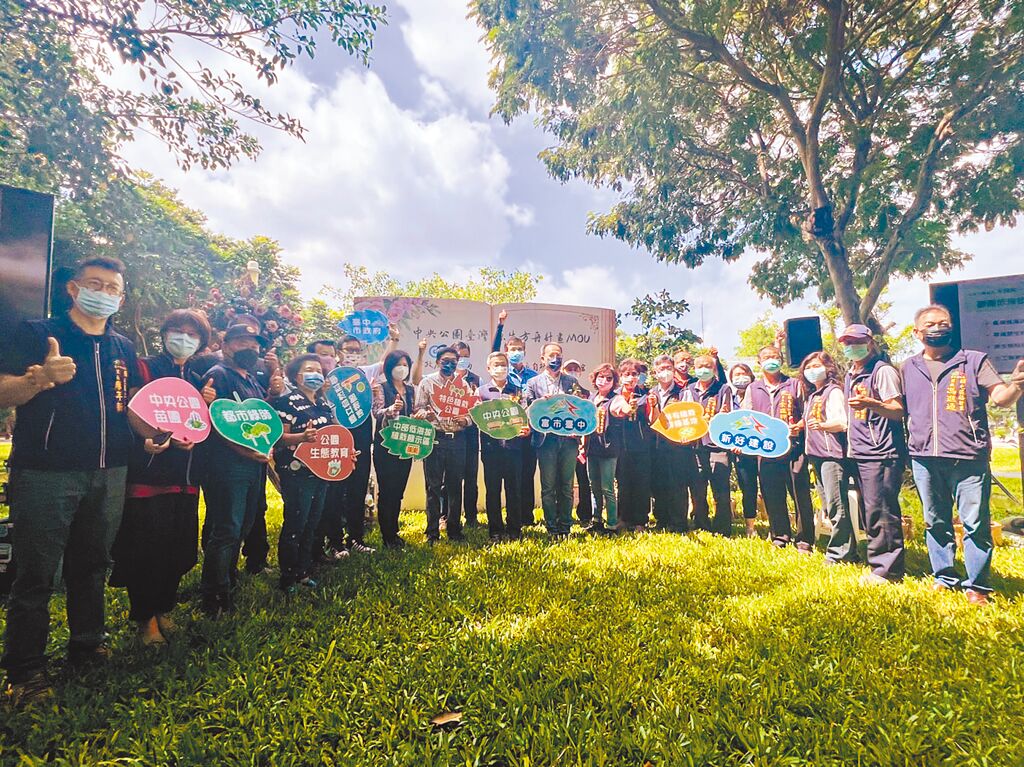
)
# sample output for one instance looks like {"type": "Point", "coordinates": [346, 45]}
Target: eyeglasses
{"type": "Point", "coordinates": [110, 288]}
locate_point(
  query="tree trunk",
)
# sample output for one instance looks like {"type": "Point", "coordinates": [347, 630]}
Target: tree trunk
{"type": "Point", "coordinates": [834, 252]}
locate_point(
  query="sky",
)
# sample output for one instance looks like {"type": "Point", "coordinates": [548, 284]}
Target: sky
{"type": "Point", "coordinates": [403, 170]}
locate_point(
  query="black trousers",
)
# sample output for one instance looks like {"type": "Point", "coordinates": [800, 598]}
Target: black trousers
{"type": "Point", "coordinates": [779, 478]}
{"type": "Point", "coordinates": [392, 478]}
{"type": "Point", "coordinates": [471, 475]}
{"type": "Point", "coordinates": [528, 478]}
{"type": "Point", "coordinates": [673, 472]}
{"type": "Point", "coordinates": [503, 469]}
{"type": "Point", "coordinates": [713, 470]}
{"type": "Point", "coordinates": [879, 483]}
{"type": "Point", "coordinates": [158, 543]}
{"type": "Point", "coordinates": [256, 546]}
{"type": "Point", "coordinates": [746, 479]}
{"type": "Point", "coordinates": [585, 502]}
{"type": "Point", "coordinates": [442, 474]}
{"type": "Point", "coordinates": [634, 475]}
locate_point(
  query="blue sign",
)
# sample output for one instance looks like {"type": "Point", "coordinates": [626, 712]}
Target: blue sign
{"type": "Point", "coordinates": [563, 414]}
{"type": "Point", "coordinates": [368, 325]}
{"type": "Point", "coordinates": [751, 433]}
{"type": "Point", "coordinates": [348, 392]}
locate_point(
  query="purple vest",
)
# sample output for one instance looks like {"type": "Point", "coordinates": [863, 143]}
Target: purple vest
{"type": "Point", "coordinates": [823, 444]}
{"type": "Point", "coordinates": [710, 400]}
{"type": "Point", "coordinates": [947, 418]}
{"type": "Point", "coordinates": [871, 437]}
{"type": "Point", "coordinates": [785, 403]}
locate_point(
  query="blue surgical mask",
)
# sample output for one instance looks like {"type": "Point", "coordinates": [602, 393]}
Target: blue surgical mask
{"type": "Point", "coordinates": [855, 352]}
{"type": "Point", "coordinates": [464, 363]}
{"type": "Point", "coordinates": [180, 345]}
{"type": "Point", "coordinates": [515, 357]}
{"type": "Point", "coordinates": [96, 303]}
{"type": "Point", "coordinates": [771, 365]}
{"type": "Point", "coordinates": [555, 363]}
{"type": "Point", "coordinates": [313, 380]}
{"type": "Point", "coordinates": [704, 374]}
{"type": "Point", "coordinates": [814, 375]}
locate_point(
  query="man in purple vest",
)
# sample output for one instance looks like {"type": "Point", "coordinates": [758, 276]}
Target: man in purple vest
{"type": "Point", "coordinates": [875, 445]}
{"type": "Point", "coordinates": [950, 446]}
{"type": "Point", "coordinates": [780, 396]}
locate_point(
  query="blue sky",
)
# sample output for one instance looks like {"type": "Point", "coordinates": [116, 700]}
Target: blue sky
{"type": "Point", "coordinates": [403, 170]}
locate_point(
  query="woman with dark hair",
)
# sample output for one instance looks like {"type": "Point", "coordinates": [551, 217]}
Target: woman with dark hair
{"type": "Point", "coordinates": [158, 541]}
{"type": "Point", "coordinates": [603, 448]}
{"type": "Point", "coordinates": [394, 397]}
{"type": "Point", "coordinates": [730, 397]}
{"type": "Point", "coordinates": [826, 423]}
{"type": "Point", "coordinates": [303, 410]}
{"type": "Point", "coordinates": [632, 406]}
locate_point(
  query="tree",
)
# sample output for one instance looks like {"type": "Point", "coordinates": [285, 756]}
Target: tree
{"type": "Point", "coordinates": [761, 333]}
{"type": "Point", "coordinates": [845, 142]}
{"type": "Point", "coordinates": [60, 114]}
{"type": "Point", "coordinates": [657, 315]}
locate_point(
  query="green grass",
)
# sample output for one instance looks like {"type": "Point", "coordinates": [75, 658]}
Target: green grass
{"type": "Point", "coordinates": [1006, 459]}
{"type": "Point", "coordinates": [675, 649]}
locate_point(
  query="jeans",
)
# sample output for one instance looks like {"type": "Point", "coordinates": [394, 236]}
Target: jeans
{"type": "Point", "coordinates": [879, 483]}
{"type": "Point", "coordinates": [832, 477]}
{"type": "Point", "coordinates": [601, 471]}
{"type": "Point", "coordinates": [232, 495]}
{"type": "Point", "coordinates": [303, 504]}
{"type": "Point", "coordinates": [713, 469]}
{"type": "Point", "coordinates": [442, 472]}
{"type": "Point", "coordinates": [939, 482]}
{"type": "Point", "coordinates": [59, 515]}
{"type": "Point", "coordinates": [557, 459]}
{"type": "Point", "coordinates": [502, 468]}
{"type": "Point", "coordinates": [746, 478]}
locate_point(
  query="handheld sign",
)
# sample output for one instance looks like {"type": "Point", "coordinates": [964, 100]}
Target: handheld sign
{"type": "Point", "coordinates": [453, 398]}
{"type": "Point", "coordinates": [681, 422]}
{"type": "Point", "coordinates": [348, 392]}
{"type": "Point", "coordinates": [500, 418]}
{"type": "Point", "coordinates": [409, 437]}
{"type": "Point", "coordinates": [173, 405]}
{"type": "Point", "coordinates": [751, 432]}
{"type": "Point", "coordinates": [332, 456]}
{"type": "Point", "coordinates": [368, 325]}
{"type": "Point", "coordinates": [251, 423]}
{"type": "Point", "coordinates": [564, 414]}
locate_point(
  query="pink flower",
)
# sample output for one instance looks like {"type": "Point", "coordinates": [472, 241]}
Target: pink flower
{"type": "Point", "coordinates": [215, 294]}
{"type": "Point", "coordinates": [259, 311]}
{"type": "Point", "coordinates": [297, 319]}
{"type": "Point", "coordinates": [291, 339]}
{"type": "Point", "coordinates": [271, 326]}
{"type": "Point", "coordinates": [284, 311]}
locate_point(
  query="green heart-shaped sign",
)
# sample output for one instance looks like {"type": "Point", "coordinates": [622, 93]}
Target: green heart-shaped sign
{"type": "Point", "coordinates": [253, 423]}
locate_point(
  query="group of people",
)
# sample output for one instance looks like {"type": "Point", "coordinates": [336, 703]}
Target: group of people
{"type": "Point", "coordinates": [92, 483]}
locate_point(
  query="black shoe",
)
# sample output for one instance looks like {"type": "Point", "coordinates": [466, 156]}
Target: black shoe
{"type": "Point", "coordinates": [88, 657]}
{"type": "Point", "coordinates": [456, 538]}
{"type": "Point", "coordinates": [216, 606]}
{"type": "Point", "coordinates": [35, 689]}
{"type": "Point", "coordinates": [431, 541]}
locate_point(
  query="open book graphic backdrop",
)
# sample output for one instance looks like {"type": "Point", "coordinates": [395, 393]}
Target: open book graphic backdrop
{"type": "Point", "coordinates": [586, 333]}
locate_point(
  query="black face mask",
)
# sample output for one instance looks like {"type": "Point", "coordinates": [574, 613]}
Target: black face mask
{"type": "Point", "coordinates": [246, 359]}
{"type": "Point", "coordinates": [448, 367]}
{"type": "Point", "coordinates": [938, 338]}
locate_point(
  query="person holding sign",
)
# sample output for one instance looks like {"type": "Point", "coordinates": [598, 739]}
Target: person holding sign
{"type": "Point", "coordinates": [394, 398]}
{"type": "Point", "coordinates": [303, 411]}
{"type": "Point", "coordinates": [950, 447]}
{"type": "Point", "coordinates": [826, 423]}
{"type": "Point", "coordinates": [158, 542]}
{"type": "Point", "coordinates": [556, 454]}
{"type": "Point", "coordinates": [443, 468]}
{"type": "Point", "coordinates": [602, 449]}
{"type": "Point", "coordinates": [634, 407]}
{"type": "Point", "coordinates": [781, 397]}
{"type": "Point", "coordinates": [712, 461]}
{"type": "Point", "coordinates": [502, 457]}
{"type": "Point", "coordinates": [876, 445]}
{"type": "Point", "coordinates": [234, 484]}
{"type": "Point", "coordinates": [673, 465]}
{"type": "Point", "coordinates": [731, 398]}
{"type": "Point", "coordinates": [70, 378]}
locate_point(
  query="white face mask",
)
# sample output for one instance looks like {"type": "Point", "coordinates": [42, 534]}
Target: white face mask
{"type": "Point", "coordinates": [499, 372]}
{"type": "Point", "coordinates": [180, 345]}
{"type": "Point", "coordinates": [354, 359]}
{"type": "Point", "coordinates": [740, 381]}
{"type": "Point", "coordinates": [399, 372]}
{"type": "Point", "coordinates": [665, 376]}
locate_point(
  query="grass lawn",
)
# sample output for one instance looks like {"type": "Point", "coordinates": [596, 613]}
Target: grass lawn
{"type": "Point", "coordinates": [680, 650]}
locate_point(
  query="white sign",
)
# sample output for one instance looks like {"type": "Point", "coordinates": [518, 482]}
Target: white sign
{"type": "Point", "coordinates": [992, 319]}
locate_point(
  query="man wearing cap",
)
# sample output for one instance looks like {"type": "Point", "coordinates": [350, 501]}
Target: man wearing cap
{"type": "Point", "coordinates": [950, 446]}
{"type": "Point", "coordinates": [877, 449]}
{"type": "Point", "coordinates": [235, 484]}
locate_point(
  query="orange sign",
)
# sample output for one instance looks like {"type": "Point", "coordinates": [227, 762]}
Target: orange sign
{"type": "Point", "coordinates": [682, 422]}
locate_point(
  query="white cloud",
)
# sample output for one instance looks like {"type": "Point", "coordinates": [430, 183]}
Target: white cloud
{"type": "Point", "coordinates": [446, 45]}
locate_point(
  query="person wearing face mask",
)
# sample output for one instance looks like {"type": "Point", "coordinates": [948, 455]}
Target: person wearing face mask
{"type": "Point", "coordinates": [826, 422]}
{"type": "Point", "coordinates": [950, 447]}
{"type": "Point", "coordinates": [158, 542]}
{"type": "Point", "coordinates": [673, 466]}
{"type": "Point", "coordinates": [235, 483]}
{"type": "Point", "coordinates": [876, 445]}
{"type": "Point", "coordinates": [471, 473]}
{"type": "Point", "coordinates": [683, 362]}
{"type": "Point", "coordinates": [602, 449]}
{"type": "Point", "coordinates": [730, 398]}
{"type": "Point", "coordinates": [394, 398]}
{"type": "Point", "coordinates": [633, 471]}
{"type": "Point", "coordinates": [303, 410]}
{"type": "Point", "coordinates": [780, 396]}
{"type": "Point", "coordinates": [556, 454]}
{"type": "Point", "coordinates": [444, 467]}
{"type": "Point", "coordinates": [712, 461]}
{"type": "Point", "coordinates": [70, 378]}
{"type": "Point", "coordinates": [519, 374]}
{"type": "Point", "coordinates": [501, 457]}
{"type": "Point", "coordinates": [327, 352]}
{"type": "Point", "coordinates": [584, 499]}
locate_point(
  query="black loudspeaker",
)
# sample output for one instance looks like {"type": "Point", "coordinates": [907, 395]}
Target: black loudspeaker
{"type": "Point", "coordinates": [803, 337]}
{"type": "Point", "coordinates": [26, 239]}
